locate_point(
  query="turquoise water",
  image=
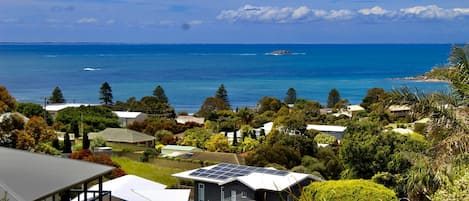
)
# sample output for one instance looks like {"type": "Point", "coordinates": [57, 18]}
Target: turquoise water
{"type": "Point", "coordinates": [190, 73]}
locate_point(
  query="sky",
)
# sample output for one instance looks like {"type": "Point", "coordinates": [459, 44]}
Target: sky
{"type": "Point", "coordinates": [235, 21]}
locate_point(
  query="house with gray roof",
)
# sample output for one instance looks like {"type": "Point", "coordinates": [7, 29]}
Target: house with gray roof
{"type": "Point", "coordinates": [27, 176]}
{"type": "Point", "coordinates": [123, 135]}
{"type": "Point", "coordinates": [231, 182]}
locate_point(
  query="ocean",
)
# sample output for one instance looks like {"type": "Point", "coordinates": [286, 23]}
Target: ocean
{"type": "Point", "coordinates": [190, 73]}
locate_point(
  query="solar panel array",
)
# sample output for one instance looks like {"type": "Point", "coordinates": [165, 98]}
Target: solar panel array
{"type": "Point", "coordinates": [224, 171]}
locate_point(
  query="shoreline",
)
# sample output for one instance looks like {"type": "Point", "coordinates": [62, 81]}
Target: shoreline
{"type": "Point", "coordinates": [421, 78]}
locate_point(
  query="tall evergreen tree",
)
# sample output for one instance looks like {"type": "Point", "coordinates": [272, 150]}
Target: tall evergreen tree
{"type": "Point", "coordinates": [86, 141]}
{"type": "Point", "coordinates": [223, 95]}
{"type": "Point", "coordinates": [67, 144]}
{"type": "Point", "coordinates": [291, 96]}
{"type": "Point", "coordinates": [57, 96]}
{"type": "Point", "coordinates": [333, 98]}
{"type": "Point", "coordinates": [158, 92]}
{"type": "Point", "coordinates": [105, 94]}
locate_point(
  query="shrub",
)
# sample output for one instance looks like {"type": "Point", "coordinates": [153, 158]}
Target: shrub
{"type": "Point", "coordinates": [98, 142]}
{"type": "Point", "coordinates": [347, 190]}
{"type": "Point", "coordinates": [322, 138]}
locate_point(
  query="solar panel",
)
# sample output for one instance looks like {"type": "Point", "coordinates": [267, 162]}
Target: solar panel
{"type": "Point", "coordinates": [224, 171]}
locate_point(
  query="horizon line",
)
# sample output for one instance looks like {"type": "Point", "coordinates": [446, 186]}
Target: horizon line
{"type": "Point", "coordinates": [154, 43]}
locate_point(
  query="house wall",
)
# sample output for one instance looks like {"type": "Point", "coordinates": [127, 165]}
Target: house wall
{"type": "Point", "coordinates": [213, 192]}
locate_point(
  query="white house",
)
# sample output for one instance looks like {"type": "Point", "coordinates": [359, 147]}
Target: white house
{"type": "Point", "coordinates": [127, 118]}
{"type": "Point", "coordinates": [54, 108]}
{"type": "Point", "coordinates": [182, 119]}
{"type": "Point", "coordinates": [336, 131]}
{"type": "Point", "coordinates": [134, 188]}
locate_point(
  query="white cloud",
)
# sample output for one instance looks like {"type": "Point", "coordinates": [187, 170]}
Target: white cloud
{"type": "Point", "coordinates": [302, 14]}
{"type": "Point", "coordinates": [373, 11]}
{"type": "Point", "coordinates": [9, 20]}
{"type": "Point", "coordinates": [87, 20]}
{"type": "Point", "coordinates": [110, 21]}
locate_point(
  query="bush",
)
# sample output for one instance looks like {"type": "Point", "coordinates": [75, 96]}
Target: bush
{"type": "Point", "coordinates": [98, 142]}
{"type": "Point", "coordinates": [347, 190]}
{"type": "Point", "coordinates": [322, 138]}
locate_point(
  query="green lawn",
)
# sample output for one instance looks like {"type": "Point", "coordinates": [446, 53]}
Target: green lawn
{"type": "Point", "coordinates": [148, 171]}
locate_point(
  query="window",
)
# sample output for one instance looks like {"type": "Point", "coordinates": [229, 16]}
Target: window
{"type": "Point", "coordinates": [201, 192]}
{"type": "Point", "coordinates": [233, 195]}
{"type": "Point", "coordinates": [244, 194]}
{"type": "Point", "coordinates": [222, 193]}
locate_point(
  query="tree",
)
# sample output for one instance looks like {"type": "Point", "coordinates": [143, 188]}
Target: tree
{"type": "Point", "coordinates": [57, 96]}
{"type": "Point", "coordinates": [269, 104]}
{"type": "Point", "coordinates": [246, 115]}
{"type": "Point", "coordinates": [38, 129]}
{"type": "Point", "coordinates": [217, 143]}
{"type": "Point", "coordinates": [95, 118]}
{"type": "Point", "coordinates": [196, 137]}
{"type": "Point", "coordinates": [333, 98]}
{"type": "Point", "coordinates": [34, 109]}
{"type": "Point", "coordinates": [459, 60]}
{"type": "Point", "coordinates": [223, 95]}
{"type": "Point", "coordinates": [86, 141]}
{"type": "Point", "coordinates": [24, 140]}
{"type": "Point", "coordinates": [105, 94]}
{"type": "Point", "coordinates": [210, 106]}
{"type": "Point", "coordinates": [279, 154]}
{"type": "Point", "coordinates": [158, 92]}
{"type": "Point", "coordinates": [7, 102]}
{"type": "Point", "coordinates": [291, 96]}
{"type": "Point", "coordinates": [67, 144]}
{"type": "Point", "coordinates": [374, 95]}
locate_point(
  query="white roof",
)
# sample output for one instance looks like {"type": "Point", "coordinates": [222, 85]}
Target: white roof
{"type": "Point", "coordinates": [271, 182]}
{"type": "Point", "coordinates": [326, 128]}
{"type": "Point", "coordinates": [58, 107]}
{"type": "Point", "coordinates": [184, 119]}
{"type": "Point", "coordinates": [354, 108]}
{"type": "Point", "coordinates": [396, 108]}
{"type": "Point", "coordinates": [253, 180]}
{"type": "Point", "coordinates": [402, 131]}
{"type": "Point", "coordinates": [127, 115]}
{"type": "Point", "coordinates": [131, 187]}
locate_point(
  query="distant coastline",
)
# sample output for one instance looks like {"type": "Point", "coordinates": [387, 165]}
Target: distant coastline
{"type": "Point", "coordinates": [421, 78]}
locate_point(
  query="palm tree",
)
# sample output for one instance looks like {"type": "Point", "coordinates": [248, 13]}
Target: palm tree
{"type": "Point", "coordinates": [459, 60]}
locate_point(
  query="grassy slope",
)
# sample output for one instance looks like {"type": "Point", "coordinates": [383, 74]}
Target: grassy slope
{"type": "Point", "coordinates": [148, 171]}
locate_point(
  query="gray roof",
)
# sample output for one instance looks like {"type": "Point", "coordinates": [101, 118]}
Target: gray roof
{"type": "Point", "coordinates": [122, 135]}
{"type": "Point", "coordinates": [27, 176]}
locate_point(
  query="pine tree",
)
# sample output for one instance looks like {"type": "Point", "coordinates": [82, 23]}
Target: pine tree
{"type": "Point", "coordinates": [57, 96]}
{"type": "Point", "coordinates": [158, 92]}
{"type": "Point", "coordinates": [86, 141]}
{"type": "Point", "coordinates": [291, 96]}
{"type": "Point", "coordinates": [223, 95]}
{"type": "Point", "coordinates": [67, 144]}
{"type": "Point", "coordinates": [333, 98]}
{"type": "Point", "coordinates": [105, 94]}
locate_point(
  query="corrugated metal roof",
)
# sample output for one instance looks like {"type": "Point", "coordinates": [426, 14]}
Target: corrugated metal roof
{"type": "Point", "coordinates": [122, 135]}
{"type": "Point", "coordinates": [30, 176]}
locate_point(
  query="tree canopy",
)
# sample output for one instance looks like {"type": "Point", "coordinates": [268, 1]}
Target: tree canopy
{"type": "Point", "coordinates": [105, 94]}
{"type": "Point", "coordinates": [7, 102]}
{"type": "Point", "coordinates": [161, 97]}
{"type": "Point", "coordinates": [57, 96]}
{"type": "Point", "coordinates": [333, 98]}
{"type": "Point", "coordinates": [223, 95]}
{"type": "Point", "coordinates": [290, 98]}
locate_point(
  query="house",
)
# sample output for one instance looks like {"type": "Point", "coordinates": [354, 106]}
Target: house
{"type": "Point", "coordinates": [267, 127]}
{"type": "Point", "coordinates": [127, 118]}
{"type": "Point", "coordinates": [354, 109]}
{"type": "Point", "coordinates": [399, 110]}
{"type": "Point", "coordinates": [123, 135]}
{"type": "Point", "coordinates": [134, 188]}
{"type": "Point", "coordinates": [26, 176]}
{"type": "Point", "coordinates": [336, 131]}
{"type": "Point", "coordinates": [176, 150]}
{"type": "Point", "coordinates": [183, 119]}
{"type": "Point", "coordinates": [54, 108]}
{"type": "Point", "coordinates": [230, 182]}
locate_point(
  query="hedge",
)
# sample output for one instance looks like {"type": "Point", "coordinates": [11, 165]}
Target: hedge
{"type": "Point", "coordinates": [347, 190]}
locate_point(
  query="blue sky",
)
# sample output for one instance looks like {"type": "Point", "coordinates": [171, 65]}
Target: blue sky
{"type": "Point", "coordinates": [235, 21]}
